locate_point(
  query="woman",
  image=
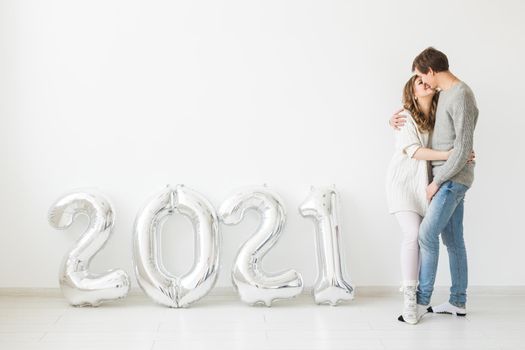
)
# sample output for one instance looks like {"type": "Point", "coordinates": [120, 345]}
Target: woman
{"type": "Point", "coordinates": [407, 179]}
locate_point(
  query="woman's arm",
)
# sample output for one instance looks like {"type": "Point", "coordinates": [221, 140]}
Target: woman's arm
{"type": "Point", "coordinates": [430, 154]}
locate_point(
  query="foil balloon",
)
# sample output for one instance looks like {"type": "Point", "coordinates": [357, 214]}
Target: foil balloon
{"type": "Point", "coordinates": [161, 286]}
{"type": "Point", "coordinates": [79, 286]}
{"type": "Point", "coordinates": [253, 284]}
{"type": "Point", "coordinates": [322, 205]}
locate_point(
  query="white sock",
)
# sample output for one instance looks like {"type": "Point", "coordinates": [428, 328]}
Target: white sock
{"type": "Point", "coordinates": [448, 308]}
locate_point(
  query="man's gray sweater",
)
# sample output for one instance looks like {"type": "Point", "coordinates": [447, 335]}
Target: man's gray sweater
{"type": "Point", "coordinates": [456, 118]}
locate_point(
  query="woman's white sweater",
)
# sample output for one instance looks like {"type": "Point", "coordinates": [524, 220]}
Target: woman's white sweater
{"type": "Point", "coordinates": [408, 178]}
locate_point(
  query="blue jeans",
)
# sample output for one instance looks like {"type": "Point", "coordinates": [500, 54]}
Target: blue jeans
{"type": "Point", "coordinates": [444, 216]}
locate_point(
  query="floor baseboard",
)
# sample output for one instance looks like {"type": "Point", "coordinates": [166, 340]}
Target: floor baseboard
{"type": "Point", "coordinates": [366, 291]}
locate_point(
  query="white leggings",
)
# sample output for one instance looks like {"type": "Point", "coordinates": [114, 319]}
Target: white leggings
{"type": "Point", "coordinates": [409, 222]}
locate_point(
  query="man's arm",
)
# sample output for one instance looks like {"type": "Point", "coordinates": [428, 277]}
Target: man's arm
{"type": "Point", "coordinates": [464, 119]}
{"type": "Point", "coordinates": [397, 120]}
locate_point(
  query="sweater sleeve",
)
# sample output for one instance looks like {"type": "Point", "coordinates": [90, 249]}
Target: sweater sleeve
{"type": "Point", "coordinates": [407, 139]}
{"type": "Point", "coordinates": [463, 114]}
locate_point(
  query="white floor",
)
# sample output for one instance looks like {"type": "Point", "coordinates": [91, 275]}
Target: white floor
{"type": "Point", "coordinates": [493, 322]}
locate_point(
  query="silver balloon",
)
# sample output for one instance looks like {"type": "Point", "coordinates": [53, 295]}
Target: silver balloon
{"type": "Point", "coordinates": [79, 286]}
{"type": "Point", "coordinates": [322, 205]}
{"type": "Point", "coordinates": [254, 285]}
{"type": "Point", "coordinates": [153, 278]}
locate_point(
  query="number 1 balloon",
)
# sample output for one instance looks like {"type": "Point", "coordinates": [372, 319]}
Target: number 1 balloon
{"type": "Point", "coordinates": [79, 286]}
{"type": "Point", "coordinates": [322, 205]}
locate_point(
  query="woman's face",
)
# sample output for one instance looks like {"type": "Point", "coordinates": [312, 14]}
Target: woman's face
{"type": "Point", "coordinates": [421, 89]}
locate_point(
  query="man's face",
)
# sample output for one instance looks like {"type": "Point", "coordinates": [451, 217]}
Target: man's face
{"type": "Point", "coordinates": [429, 78]}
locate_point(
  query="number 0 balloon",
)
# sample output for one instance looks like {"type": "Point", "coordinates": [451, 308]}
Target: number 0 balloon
{"type": "Point", "coordinates": [158, 283]}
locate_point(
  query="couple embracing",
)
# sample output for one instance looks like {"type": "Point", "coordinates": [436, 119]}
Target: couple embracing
{"type": "Point", "coordinates": [429, 174]}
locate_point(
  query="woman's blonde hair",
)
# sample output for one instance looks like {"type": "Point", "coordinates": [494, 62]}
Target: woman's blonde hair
{"type": "Point", "coordinates": [424, 123]}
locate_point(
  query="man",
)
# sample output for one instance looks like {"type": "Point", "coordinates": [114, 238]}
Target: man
{"type": "Point", "coordinates": [456, 118]}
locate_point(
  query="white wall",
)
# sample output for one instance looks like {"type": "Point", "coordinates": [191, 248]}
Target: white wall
{"type": "Point", "coordinates": [128, 96]}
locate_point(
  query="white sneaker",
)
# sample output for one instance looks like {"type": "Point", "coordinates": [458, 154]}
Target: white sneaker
{"type": "Point", "coordinates": [412, 312]}
{"type": "Point", "coordinates": [421, 311]}
{"type": "Point", "coordinates": [448, 308]}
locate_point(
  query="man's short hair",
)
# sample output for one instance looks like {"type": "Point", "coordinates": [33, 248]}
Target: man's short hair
{"type": "Point", "coordinates": [430, 58]}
